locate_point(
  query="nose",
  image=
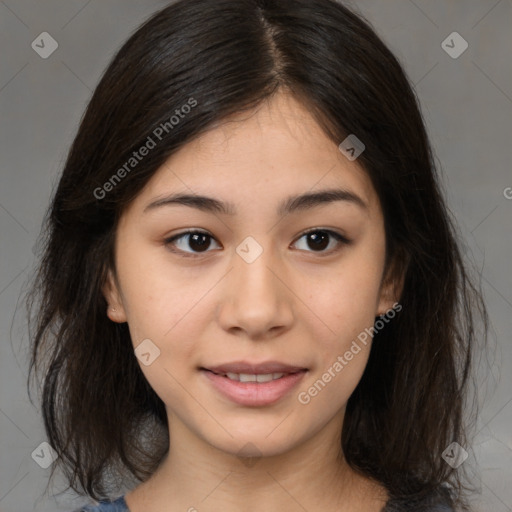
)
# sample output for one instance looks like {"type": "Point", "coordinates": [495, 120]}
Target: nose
{"type": "Point", "coordinates": [256, 298]}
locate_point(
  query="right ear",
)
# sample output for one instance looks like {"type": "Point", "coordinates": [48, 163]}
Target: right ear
{"type": "Point", "coordinates": [110, 289]}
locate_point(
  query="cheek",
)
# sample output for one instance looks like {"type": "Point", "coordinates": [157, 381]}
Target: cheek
{"type": "Point", "coordinates": [172, 318]}
{"type": "Point", "coordinates": [168, 307]}
{"type": "Point", "coordinates": [342, 350]}
{"type": "Point", "coordinates": [346, 306]}
{"type": "Point", "coordinates": [346, 300]}
{"type": "Point", "coordinates": [159, 298]}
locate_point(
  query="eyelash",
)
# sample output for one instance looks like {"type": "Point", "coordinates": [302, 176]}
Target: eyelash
{"type": "Point", "coordinates": [342, 240]}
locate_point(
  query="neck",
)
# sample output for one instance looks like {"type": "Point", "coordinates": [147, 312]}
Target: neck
{"type": "Point", "coordinates": [313, 476]}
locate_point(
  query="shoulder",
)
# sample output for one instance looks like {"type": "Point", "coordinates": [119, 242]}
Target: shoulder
{"type": "Point", "coordinates": [439, 500]}
{"type": "Point", "coordinates": [118, 505]}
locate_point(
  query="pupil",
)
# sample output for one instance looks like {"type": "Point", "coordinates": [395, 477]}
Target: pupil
{"type": "Point", "coordinates": [196, 237]}
{"type": "Point", "coordinates": [321, 241]}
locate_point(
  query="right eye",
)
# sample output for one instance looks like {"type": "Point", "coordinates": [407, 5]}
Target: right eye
{"type": "Point", "coordinates": [198, 240]}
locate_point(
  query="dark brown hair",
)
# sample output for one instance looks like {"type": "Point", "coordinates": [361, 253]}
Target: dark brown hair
{"type": "Point", "coordinates": [100, 414]}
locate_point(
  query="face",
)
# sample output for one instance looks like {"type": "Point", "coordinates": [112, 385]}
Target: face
{"type": "Point", "coordinates": [253, 286]}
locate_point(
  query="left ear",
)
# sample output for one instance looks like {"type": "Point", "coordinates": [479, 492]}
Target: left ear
{"type": "Point", "coordinates": [392, 285]}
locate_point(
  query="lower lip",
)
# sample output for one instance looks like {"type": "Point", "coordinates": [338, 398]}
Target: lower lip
{"type": "Point", "coordinates": [254, 393]}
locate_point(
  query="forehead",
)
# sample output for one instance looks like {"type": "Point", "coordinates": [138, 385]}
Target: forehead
{"type": "Point", "coordinates": [276, 150]}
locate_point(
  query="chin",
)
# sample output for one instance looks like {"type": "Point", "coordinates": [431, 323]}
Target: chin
{"type": "Point", "coordinates": [254, 447]}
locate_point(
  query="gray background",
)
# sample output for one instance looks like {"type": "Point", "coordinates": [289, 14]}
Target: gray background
{"type": "Point", "coordinates": [467, 105]}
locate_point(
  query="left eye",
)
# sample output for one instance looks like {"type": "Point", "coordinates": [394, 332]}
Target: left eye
{"type": "Point", "coordinates": [317, 239]}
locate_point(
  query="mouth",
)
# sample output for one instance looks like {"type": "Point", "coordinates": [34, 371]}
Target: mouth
{"type": "Point", "coordinates": [253, 389]}
{"type": "Point", "coordinates": [254, 377]}
{"type": "Point", "coordinates": [245, 371]}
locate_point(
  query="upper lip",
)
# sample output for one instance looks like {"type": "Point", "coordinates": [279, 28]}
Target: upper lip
{"type": "Point", "coordinates": [254, 368]}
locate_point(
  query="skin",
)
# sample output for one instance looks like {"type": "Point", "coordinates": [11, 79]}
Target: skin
{"type": "Point", "coordinates": [295, 304]}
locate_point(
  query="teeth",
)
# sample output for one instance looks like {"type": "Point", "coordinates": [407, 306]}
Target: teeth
{"type": "Point", "coordinates": [245, 377]}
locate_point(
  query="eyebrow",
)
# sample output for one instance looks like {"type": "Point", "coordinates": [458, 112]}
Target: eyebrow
{"type": "Point", "coordinates": [291, 204]}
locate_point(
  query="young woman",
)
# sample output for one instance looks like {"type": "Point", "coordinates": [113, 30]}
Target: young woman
{"type": "Point", "coordinates": [251, 295]}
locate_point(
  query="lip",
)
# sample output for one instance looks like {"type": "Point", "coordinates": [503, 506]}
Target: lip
{"type": "Point", "coordinates": [253, 393]}
{"type": "Point", "coordinates": [254, 368]}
